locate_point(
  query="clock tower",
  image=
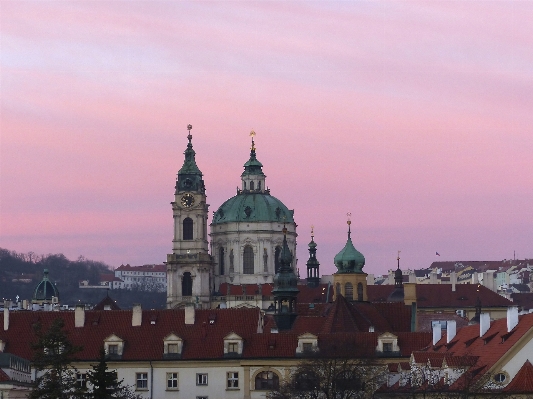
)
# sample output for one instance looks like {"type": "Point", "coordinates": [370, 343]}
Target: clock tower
{"type": "Point", "coordinates": [189, 265]}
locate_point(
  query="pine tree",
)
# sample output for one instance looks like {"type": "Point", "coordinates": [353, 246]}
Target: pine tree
{"type": "Point", "coordinates": [53, 354]}
{"type": "Point", "coordinates": [105, 384]}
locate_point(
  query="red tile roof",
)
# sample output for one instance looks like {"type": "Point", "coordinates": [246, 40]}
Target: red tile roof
{"type": "Point", "coordinates": [490, 348]}
{"type": "Point", "coordinates": [336, 323]}
{"type": "Point", "coordinates": [523, 380]}
{"type": "Point", "coordinates": [441, 295]}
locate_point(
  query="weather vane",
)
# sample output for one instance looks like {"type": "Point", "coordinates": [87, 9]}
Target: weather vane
{"type": "Point", "coordinates": [398, 258]}
{"type": "Point", "coordinates": [312, 231]}
{"type": "Point", "coordinates": [349, 216]}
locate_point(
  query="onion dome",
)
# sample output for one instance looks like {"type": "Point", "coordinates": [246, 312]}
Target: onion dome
{"type": "Point", "coordinates": [45, 290]}
{"type": "Point", "coordinates": [349, 259]}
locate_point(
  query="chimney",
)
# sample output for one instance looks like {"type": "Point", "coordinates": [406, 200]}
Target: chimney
{"type": "Point", "coordinates": [412, 277]}
{"type": "Point", "coordinates": [79, 316]}
{"type": "Point", "coordinates": [136, 315]}
{"type": "Point", "coordinates": [484, 323]}
{"type": "Point", "coordinates": [433, 278]}
{"type": "Point", "coordinates": [189, 314]}
{"type": "Point", "coordinates": [512, 317]}
{"type": "Point", "coordinates": [370, 280]}
{"type": "Point", "coordinates": [451, 329]}
{"type": "Point", "coordinates": [6, 319]}
{"type": "Point", "coordinates": [409, 293]}
{"type": "Point", "coordinates": [437, 333]}
{"type": "Point", "coordinates": [453, 280]}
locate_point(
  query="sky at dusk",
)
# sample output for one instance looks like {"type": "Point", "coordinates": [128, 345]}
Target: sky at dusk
{"type": "Point", "coordinates": [416, 117]}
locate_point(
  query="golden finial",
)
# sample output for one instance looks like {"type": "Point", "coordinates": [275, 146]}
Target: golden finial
{"type": "Point", "coordinates": [312, 232]}
{"type": "Point", "coordinates": [398, 258]}
{"type": "Point", "coordinates": [252, 135]}
{"type": "Point", "coordinates": [349, 216]}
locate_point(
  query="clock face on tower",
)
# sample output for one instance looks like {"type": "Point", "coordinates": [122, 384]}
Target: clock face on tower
{"type": "Point", "coordinates": [187, 200]}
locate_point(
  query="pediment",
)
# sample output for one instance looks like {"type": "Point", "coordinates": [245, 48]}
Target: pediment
{"type": "Point", "coordinates": [113, 338]}
{"type": "Point", "coordinates": [232, 336]}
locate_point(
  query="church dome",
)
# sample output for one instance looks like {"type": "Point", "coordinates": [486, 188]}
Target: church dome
{"type": "Point", "coordinates": [349, 259]}
{"type": "Point", "coordinates": [45, 290]}
{"type": "Point", "coordinates": [248, 206]}
{"type": "Point", "coordinates": [253, 202]}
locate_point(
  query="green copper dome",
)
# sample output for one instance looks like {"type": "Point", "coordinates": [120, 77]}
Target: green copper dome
{"type": "Point", "coordinates": [45, 290]}
{"type": "Point", "coordinates": [253, 207]}
{"type": "Point", "coordinates": [349, 259]}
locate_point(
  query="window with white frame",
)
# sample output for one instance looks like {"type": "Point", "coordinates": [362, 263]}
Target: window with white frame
{"type": "Point", "coordinates": [233, 380]}
{"type": "Point", "coordinates": [81, 380]}
{"type": "Point", "coordinates": [172, 348]}
{"type": "Point", "coordinates": [172, 381]}
{"type": "Point", "coordinates": [233, 347]}
{"type": "Point", "coordinates": [113, 349]}
{"type": "Point", "coordinates": [141, 380]}
{"type": "Point", "coordinates": [201, 379]}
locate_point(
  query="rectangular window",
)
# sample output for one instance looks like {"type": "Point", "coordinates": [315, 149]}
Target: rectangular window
{"type": "Point", "coordinates": [232, 347]}
{"type": "Point", "coordinates": [201, 379]}
{"type": "Point", "coordinates": [233, 379]}
{"type": "Point", "coordinates": [307, 347]}
{"type": "Point", "coordinates": [172, 381]}
{"type": "Point", "coordinates": [387, 347]}
{"type": "Point", "coordinates": [81, 380]}
{"type": "Point", "coordinates": [142, 380]}
{"type": "Point", "coordinates": [113, 349]}
{"type": "Point", "coordinates": [172, 348]}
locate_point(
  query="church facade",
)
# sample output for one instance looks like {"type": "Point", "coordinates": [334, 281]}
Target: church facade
{"type": "Point", "coordinates": [246, 235]}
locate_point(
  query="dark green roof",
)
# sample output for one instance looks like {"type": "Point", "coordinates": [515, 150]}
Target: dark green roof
{"type": "Point", "coordinates": [253, 207]}
{"type": "Point", "coordinates": [45, 290]}
{"type": "Point", "coordinates": [349, 259]}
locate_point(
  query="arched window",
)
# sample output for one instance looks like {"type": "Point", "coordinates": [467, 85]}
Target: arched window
{"type": "Point", "coordinates": [186, 284]}
{"type": "Point", "coordinates": [360, 292]}
{"type": "Point", "coordinates": [348, 291]}
{"type": "Point", "coordinates": [244, 185]}
{"type": "Point", "coordinates": [248, 260]}
{"type": "Point", "coordinates": [259, 185]}
{"type": "Point", "coordinates": [187, 229]}
{"type": "Point", "coordinates": [266, 380]}
{"type": "Point", "coordinates": [251, 186]}
{"type": "Point", "coordinates": [338, 289]}
{"type": "Point", "coordinates": [221, 260]}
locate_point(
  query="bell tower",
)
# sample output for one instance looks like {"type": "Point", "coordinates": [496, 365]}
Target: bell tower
{"type": "Point", "coordinates": [189, 265]}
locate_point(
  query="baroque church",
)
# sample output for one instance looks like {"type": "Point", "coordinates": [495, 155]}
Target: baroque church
{"type": "Point", "coordinates": [251, 243]}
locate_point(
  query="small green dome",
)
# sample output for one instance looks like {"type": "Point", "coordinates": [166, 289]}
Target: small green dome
{"type": "Point", "coordinates": [45, 290]}
{"type": "Point", "coordinates": [253, 207]}
{"type": "Point", "coordinates": [349, 259]}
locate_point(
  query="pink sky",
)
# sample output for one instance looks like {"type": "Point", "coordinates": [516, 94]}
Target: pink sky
{"type": "Point", "coordinates": [416, 117]}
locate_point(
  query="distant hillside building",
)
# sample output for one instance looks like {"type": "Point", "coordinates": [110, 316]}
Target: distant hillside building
{"type": "Point", "coordinates": [144, 278]}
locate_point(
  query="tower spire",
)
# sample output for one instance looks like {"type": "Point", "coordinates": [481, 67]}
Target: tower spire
{"type": "Point", "coordinates": [313, 277]}
{"type": "Point", "coordinates": [190, 176]}
{"type": "Point", "coordinates": [253, 178]}
{"type": "Point", "coordinates": [285, 289]}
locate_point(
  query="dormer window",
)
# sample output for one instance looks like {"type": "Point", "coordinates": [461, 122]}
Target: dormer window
{"type": "Point", "coordinates": [172, 346]}
{"type": "Point", "coordinates": [2, 345]}
{"type": "Point", "coordinates": [388, 345]}
{"type": "Point", "coordinates": [233, 345]}
{"type": "Point", "coordinates": [114, 347]}
{"type": "Point", "coordinates": [307, 344]}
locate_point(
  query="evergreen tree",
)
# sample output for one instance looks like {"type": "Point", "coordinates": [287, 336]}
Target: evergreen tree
{"type": "Point", "coordinates": [105, 384]}
{"type": "Point", "coordinates": [53, 354]}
